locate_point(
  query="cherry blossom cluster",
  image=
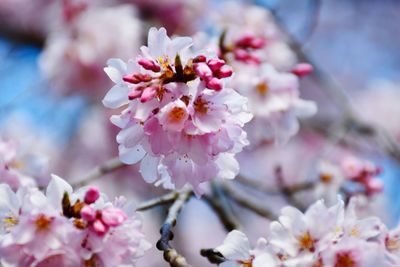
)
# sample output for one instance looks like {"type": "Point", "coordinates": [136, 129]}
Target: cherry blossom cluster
{"type": "Point", "coordinates": [322, 236]}
{"type": "Point", "coordinates": [266, 71]}
{"type": "Point", "coordinates": [180, 120]}
{"type": "Point", "coordinates": [353, 176]}
{"type": "Point", "coordinates": [67, 228]}
{"type": "Point", "coordinates": [18, 166]}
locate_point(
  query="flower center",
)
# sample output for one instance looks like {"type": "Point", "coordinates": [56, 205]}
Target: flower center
{"type": "Point", "coordinates": [392, 244]}
{"type": "Point", "coordinates": [177, 114]}
{"type": "Point", "coordinates": [326, 178]}
{"type": "Point", "coordinates": [307, 242]}
{"type": "Point", "coordinates": [42, 222]}
{"type": "Point", "coordinates": [344, 259]}
{"type": "Point", "coordinates": [262, 89]}
{"type": "Point", "coordinates": [10, 222]}
{"type": "Point", "coordinates": [201, 106]}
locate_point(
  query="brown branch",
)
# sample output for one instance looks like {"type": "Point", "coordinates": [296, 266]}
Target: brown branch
{"type": "Point", "coordinates": [246, 202]}
{"type": "Point", "coordinates": [350, 119]}
{"type": "Point", "coordinates": [101, 170]}
{"type": "Point", "coordinates": [227, 219]}
{"type": "Point", "coordinates": [212, 255]}
{"type": "Point", "coordinates": [170, 254]}
{"type": "Point", "coordinates": [257, 185]}
{"type": "Point", "coordinates": [162, 200]}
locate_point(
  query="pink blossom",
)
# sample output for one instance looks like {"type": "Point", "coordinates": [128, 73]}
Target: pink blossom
{"type": "Point", "coordinates": [59, 227]}
{"type": "Point", "coordinates": [82, 48]}
{"type": "Point", "coordinates": [180, 120]}
{"type": "Point", "coordinates": [275, 101]}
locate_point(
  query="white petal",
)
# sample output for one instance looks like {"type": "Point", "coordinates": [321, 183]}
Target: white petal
{"type": "Point", "coordinates": [149, 168]}
{"type": "Point", "coordinates": [115, 69]}
{"type": "Point", "coordinates": [130, 136]}
{"type": "Point", "coordinates": [131, 155]}
{"type": "Point", "coordinates": [305, 108]}
{"type": "Point", "coordinates": [8, 200]}
{"type": "Point", "coordinates": [228, 165]}
{"type": "Point", "coordinates": [56, 189]}
{"type": "Point", "coordinates": [116, 96]}
{"type": "Point", "coordinates": [236, 246]}
{"type": "Point", "coordinates": [178, 44]}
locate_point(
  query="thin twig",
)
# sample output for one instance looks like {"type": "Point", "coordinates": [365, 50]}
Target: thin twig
{"type": "Point", "coordinates": [103, 169]}
{"type": "Point", "coordinates": [246, 202]}
{"type": "Point", "coordinates": [350, 119]}
{"type": "Point", "coordinates": [257, 185]}
{"type": "Point", "coordinates": [170, 254]}
{"type": "Point", "coordinates": [226, 218]}
{"type": "Point", "coordinates": [162, 200]}
{"type": "Point", "coordinates": [212, 255]}
{"type": "Point", "coordinates": [288, 195]}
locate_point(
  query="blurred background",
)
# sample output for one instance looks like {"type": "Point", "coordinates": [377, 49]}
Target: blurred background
{"type": "Point", "coordinates": [52, 84]}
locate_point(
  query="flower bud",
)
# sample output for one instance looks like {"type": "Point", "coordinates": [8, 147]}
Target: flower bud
{"type": "Point", "coordinates": [92, 194]}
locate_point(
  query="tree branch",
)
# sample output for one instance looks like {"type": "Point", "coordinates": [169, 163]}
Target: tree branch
{"type": "Point", "coordinates": [101, 170]}
{"type": "Point", "coordinates": [170, 254]}
{"type": "Point", "coordinates": [246, 202]}
{"type": "Point", "coordinates": [165, 199]}
{"type": "Point", "coordinates": [350, 119]}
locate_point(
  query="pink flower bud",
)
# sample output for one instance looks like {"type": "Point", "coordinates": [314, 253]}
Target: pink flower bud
{"type": "Point", "coordinates": [374, 185]}
{"type": "Point", "coordinates": [99, 227]}
{"type": "Point", "coordinates": [92, 194]}
{"type": "Point", "coordinates": [113, 217]}
{"type": "Point", "coordinates": [199, 58]}
{"type": "Point", "coordinates": [215, 64]}
{"type": "Point", "coordinates": [131, 79]}
{"type": "Point", "coordinates": [245, 40]}
{"type": "Point", "coordinates": [251, 41]}
{"type": "Point", "coordinates": [224, 72]}
{"type": "Point", "coordinates": [302, 69]}
{"type": "Point", "coordinates": [148, 93]}
{"type": "Point", "coordinates": [135, 93]}
{"type": "Point", "coordinates": [241, 54]}
{"type": "Point", "coordinates": [258, 43]}
{"type": "Point", "coordinates": [149, 65]}
{"type": "Point", "coordinates": [203, 70]}
{"type": "Point", "coordinates": [214, 84]}
{"type": "Point", "coordinates": [88, 213]}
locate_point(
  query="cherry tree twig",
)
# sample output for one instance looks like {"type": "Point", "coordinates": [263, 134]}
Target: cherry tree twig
{"type": "Point", "coordinates": [101, 170]}
{"type": "Point", "coordinates": [350, 119]}
{"type": "Point", "coordinates": [246, 202]}
{"type": "Point", "coordinates": [164, 199]}
{"type": "Point", "coordinates": [257, 185]}
{"type": "Point", "coordinates": [170, 254]}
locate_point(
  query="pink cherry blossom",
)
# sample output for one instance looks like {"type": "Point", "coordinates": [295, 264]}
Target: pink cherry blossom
{"type": "Point", "coordinates": [180, 120]}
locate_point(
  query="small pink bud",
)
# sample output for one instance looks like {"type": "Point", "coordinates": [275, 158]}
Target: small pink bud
{"type": "Point", "coordinates": [374, 185]}
{"type": "Point", "coordinates": [131, 79]}
{"type": "Point", "coordinates": [99, 227]}
{"type": "Point", "coordinates": [302, 69]}
{"type": "Point", "coordinates": [135, 93]}
{"type": "Point", "coordinates": [148, 93]}
{"type": "Point", "coordinates": [88, 213]}
{"type": "Point", "coordinates": [214, 84]}
{"type": "Point", "coordinates": [199, 58]}
{"type": "Point", "coordinates": [149, 65]}
{"type": "Point", "coordinates": [245, 40]}
{"type": "Point", "coordinates": [215, 64]}
{"type": "Point", "coordinates": [92, 194]}
{"type": "Point", "coordinates": [203, 70]}
{"type": "Point", "coordinates": [241, 54]}
{"type": "Point", "coordinates": [258, 43]}
{"type": "Point", "coordinates": [224, 72]}
{"type": "Point", "coordinates": [113, 217]}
